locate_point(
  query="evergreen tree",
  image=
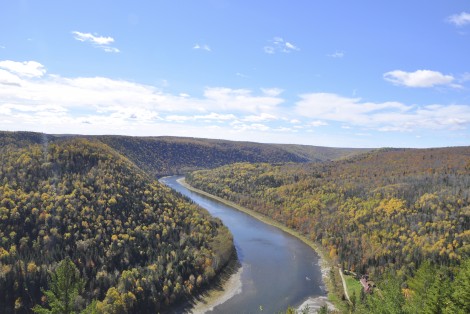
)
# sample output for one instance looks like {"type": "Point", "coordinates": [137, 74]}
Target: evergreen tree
{"type": "Point", "coordinates": [420, 285]}
{"type": "Point", "coordinates": [65, 286]}
{"type": "Point", "coordinates": [460, 299]}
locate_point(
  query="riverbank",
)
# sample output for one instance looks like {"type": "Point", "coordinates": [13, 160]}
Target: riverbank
{"type": "Point", "coordinates": [216, 296]}
{"type": "Point", "coordinates": [325, 264]}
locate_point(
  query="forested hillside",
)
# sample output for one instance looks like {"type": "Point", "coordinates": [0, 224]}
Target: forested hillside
{"type": "Point", "coordinates": [320, 153]}
{"type": "Point", "coordinates": [385, 211]}
{"type": "Point", "coordinates": [22, 139]}
{"type": "Point", "coordinates": [137, 245]}
{"type": "Point", "coordinates": [160, 156]}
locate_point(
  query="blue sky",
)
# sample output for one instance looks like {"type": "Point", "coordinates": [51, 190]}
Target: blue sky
{"type": "Point", "coordinates": [330, 73]}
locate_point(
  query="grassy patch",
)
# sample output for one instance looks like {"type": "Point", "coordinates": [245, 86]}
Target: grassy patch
{"type": "Point", "coordinates": [353, 285]}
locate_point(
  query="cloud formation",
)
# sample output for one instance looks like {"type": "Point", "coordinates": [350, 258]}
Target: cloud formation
{"type": "Point", "coordinates": [32, 99]}
{"type": "Point", "coordinates": [278, 44]}
{"type": "Point", "coordinates": [28, 93]}
{"type": "Point", "coordinates": [318, 123]}
{"type": "Point", "coordinates": [336, 55]}
{"type": "Point", "coordinates": [202, 47]}
{"type": "Point", "coordinates": [460, 19]}
{"type": "Point", "coordinates": [27, 69]}
{"type": "Point", "coordinates": [273, 92]}
{"type": "Point", "coordinates": [386, 116]}
{"type": "Point", "coordinates": [101, 42]}
{"type": "Point", "coordinates": [419, 78]}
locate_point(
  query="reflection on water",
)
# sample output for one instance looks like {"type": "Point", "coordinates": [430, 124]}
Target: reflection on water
{"type": "Point", "coordinates": [278, 269]}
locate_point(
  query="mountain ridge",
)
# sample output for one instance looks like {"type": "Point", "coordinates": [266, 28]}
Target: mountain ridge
{"type": "Point", "coordinates": [167, 155]}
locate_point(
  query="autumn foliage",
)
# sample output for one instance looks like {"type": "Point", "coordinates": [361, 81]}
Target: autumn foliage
{"type": "Point", "coordinates": [388, 210]}
{"type": "Point", "coordinates": [136, 243]}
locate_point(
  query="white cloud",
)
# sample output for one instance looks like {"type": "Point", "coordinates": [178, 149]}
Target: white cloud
{"type": "Point", "coordinates": [240, 100]}
{"type": "Point", "coordinates": [291, 46]}
{"type": "Point", "coordinates": [178, 118]}
{"type": "Point", "coordinates": [110, 49]}
{"type": "Point", "coordinates": [39, 101]}
{"type": "Point", "coordinates": [34, 108]}
{"type": "Point", "coordinates": [213, 116]}
{"type": "Point", "coordinates": [336, 55]}
{"type": "Point", "coordinates": [386, 116]}
{"type": "Point", "coordinates": [8, 78]}
{"type": "Point", "coordinates": [202, 47]}
{"type": "Point", "coordinates": [97, 41]}
{"type": "Point", "coordinates": [260, 118]}
{"type": "Point", "coordinates": [28, 98]}
{"type": "Point", "coordinates": [460, 19]}
{"type": "Point", "coordinates": [216, 116]}
{"type": "Point", "coordinates": [318, 123]}
{"type": "Point", "coordinates": [278, 44]}
{"type": "Point", "coordinates": [27, 69]}
{"type": "Point", "coordinates": [419, 78]}
{"type": "Point", "coordinates": [252, 127]}
{"type": "Point", "coordinates": [273, 92]}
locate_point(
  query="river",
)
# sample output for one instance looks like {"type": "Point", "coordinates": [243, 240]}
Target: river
{"type": "Point", "coordinates": [277, 269]}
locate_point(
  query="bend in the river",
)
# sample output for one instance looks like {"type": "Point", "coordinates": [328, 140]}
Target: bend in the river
{"type": "Point", "coordinates": [278, 270]}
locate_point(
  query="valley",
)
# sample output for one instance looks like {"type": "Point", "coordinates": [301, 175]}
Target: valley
{"type": "Point", "coordinates": [396, 215]}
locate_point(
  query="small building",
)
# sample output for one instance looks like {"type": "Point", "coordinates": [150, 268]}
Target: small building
{"type": "Point", "coordinates": [367, 284]}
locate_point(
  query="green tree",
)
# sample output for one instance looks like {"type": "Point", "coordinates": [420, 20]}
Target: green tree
{"type": "Point", "coordinates": [460, 299]}
{"type": "Point", "coordinates": [386, 300]}
{"type": "Point", "coordinates": [420, 285]}
{"type": "Point", "coordinates": [65, 286]}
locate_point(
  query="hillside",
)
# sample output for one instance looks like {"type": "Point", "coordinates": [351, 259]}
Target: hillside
{"type": "Point", "coordinates": [320, 153]}
{"type": "Point", "coordinates": [161, 156]}
{"type": "Point", "coordinates": [23, 139]}
{"type": "Point", "coordinates": [175, 155]}
{"type": "Point", "coordinates": [391, 210]}
{"type": "Point", "coordinates": [131, 238]}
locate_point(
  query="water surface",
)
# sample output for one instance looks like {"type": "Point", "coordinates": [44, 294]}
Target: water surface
{"type": "Point", "coordinates": [278, 270]}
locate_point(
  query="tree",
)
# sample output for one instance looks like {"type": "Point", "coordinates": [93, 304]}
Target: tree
{"type": "Point", "coordinates": [419, 286]}
{"type": "Point", "coordinates": [65, 286]}
{"type": "Point", "coordinates": [387, 300]}
{"type": "Point", "coordinates": [461, 290]}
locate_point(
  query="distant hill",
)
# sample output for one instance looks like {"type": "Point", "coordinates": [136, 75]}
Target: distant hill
{"type": "Point", "coordinates": [160, 156]}
{"type": "Point", "coordinates": [22, 139]}
{"type": "Point", "coordinates": [174, 155]}
{"type": "Point", "coordinates": [320, 153]}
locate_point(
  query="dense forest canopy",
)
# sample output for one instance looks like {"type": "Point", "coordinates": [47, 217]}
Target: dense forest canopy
{"type": "Point", "coordinates": [385, 211]}
{"type": "Point", "coordinates": [135, 242]}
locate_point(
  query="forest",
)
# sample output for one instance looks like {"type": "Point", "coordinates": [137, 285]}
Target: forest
{"type": "Point", "coordinates": [137, 246]}
{"type": "Point", "coordinates": [165, 155]}
{"type": "Point", "coordinates": [94, 200]}
{"type": "Point", "coordinates": [401, 216]}
{"type": "Point", "coordinates": [91, 207]}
